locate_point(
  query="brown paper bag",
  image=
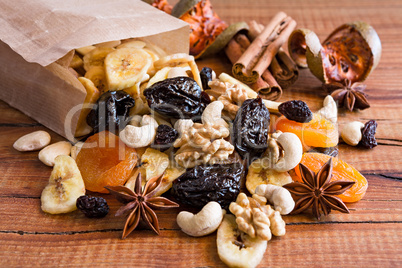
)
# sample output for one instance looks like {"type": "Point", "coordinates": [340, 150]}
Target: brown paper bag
{"type": "Point", "coordinates": [37, 33]}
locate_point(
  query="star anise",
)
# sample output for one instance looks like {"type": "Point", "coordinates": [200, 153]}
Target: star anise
{"type": "Point", "coordinates": [348, 95]}
{"type": "Point", "coordinates": [141, 203]}
{"type": "Point", "coordinates": [318, 192]}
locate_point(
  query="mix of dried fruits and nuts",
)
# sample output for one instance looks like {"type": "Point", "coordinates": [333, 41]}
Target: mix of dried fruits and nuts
{"type": "Point", "coordinates": [153, 123]}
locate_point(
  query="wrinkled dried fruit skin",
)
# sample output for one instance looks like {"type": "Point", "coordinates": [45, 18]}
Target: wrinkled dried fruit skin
{"type": "Point", "coordinates": [93, 207]}
{"type": "Point", "coordinates": [202, 184]}
{"type": "Point", "coordinates": [165, 136]}
{"type": "Point", "coordinates": [178, 97]}
{"type": "Point", "coordinates": [250, 129]}
{"type": "Point", "coordinates": [296, 110]}
{"type": "Point", "coordinates": [346, 55]}
{"type": "Point", "coordinates": [331, 151]}
{"type": "Point", "coordinates": [368, 135]}
{"type": "Point", "coordinates": [111, 111]}
{"type": "Point", "coordinates": [206, 76]}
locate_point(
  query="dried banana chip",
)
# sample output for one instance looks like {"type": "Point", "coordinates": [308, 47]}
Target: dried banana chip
{"type": "Point", "coordinates": [126, 67]}
{"type": "Point", "coordinates": [97, 75]}
{"type": "Point", "coordinates": [96, 57]}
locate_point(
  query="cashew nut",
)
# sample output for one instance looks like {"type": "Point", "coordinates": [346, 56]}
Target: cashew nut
{"type": "Point", "coordinates": [48, 154]}
{"type": "Point", "coordinates": [32, 141]}
{"type": "Point", "coordinates": [182, 125]}
{"type": "Point", "coordinates": [140, 136]}
{"type": "Point", "coordinates": [284, 150]}
{"type": "Point", "coordinates": [278, 196]}
{"type": "Point", "coordinates": [204, 222]}
{"type": "Point", "coordinates": [351, 133]}
{"type": "Point", "coordinates": [213, 114]}
{"type": "Point", "coordinates": [329, 110]}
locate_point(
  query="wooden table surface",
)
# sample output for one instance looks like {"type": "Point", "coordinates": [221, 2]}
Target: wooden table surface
{"type": "Point", "coordinates": [371, 235]}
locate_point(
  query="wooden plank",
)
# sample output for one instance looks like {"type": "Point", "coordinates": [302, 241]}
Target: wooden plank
{"type": "Point", "coordinates": [370, 236]}
{"type": "Point", "coordinates": [347, 244]}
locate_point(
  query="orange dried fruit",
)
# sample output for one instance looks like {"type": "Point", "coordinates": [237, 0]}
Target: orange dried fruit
{"type": "Point", "coordinates": [319, 132]}
{"type": "Point", "coordinates": [340, 171]}
{"type": "Point", "coordinates": [105, 160]}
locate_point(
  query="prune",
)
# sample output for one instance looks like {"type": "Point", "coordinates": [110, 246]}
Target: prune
{"type": "Point", "coordinates": [178, 97]}
{"type": "Point", "coordinates": [165, 136]}
{"type": "Point", "coordinates": [368, 131]}
{"type": "Point", "coordinates": [202, 184]}
{"type": "Point", "coordinates": [250, 129]}
{"type": "Point", "coordinates": [206, 76]}
{"type": "Point", "coordinates": [111, 111]}
{"type": "Point", "coordinates": [296, 110]}
{"type": "Point", "coordinates": [331, 151]}
{"type": "Point", "coordinates": [93, 207]}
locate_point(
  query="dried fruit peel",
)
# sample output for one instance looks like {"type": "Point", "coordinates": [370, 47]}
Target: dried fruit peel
{"type": "Point", "coordinates": [319, 132]}
{"type": "Point", "coordinates": [341, 171]}
{"type": "Point", "coordinates": [352, 51]}
{"type": "Point", "coordinates": [105, 160]}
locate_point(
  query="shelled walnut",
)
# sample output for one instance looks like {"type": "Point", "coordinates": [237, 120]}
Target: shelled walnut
{"type": "Point", "coordinates": [256, 218]}
{"type": "Point", "coordinates": [231, 95]}
{"type": "Point", "coordinates": [202, 144]}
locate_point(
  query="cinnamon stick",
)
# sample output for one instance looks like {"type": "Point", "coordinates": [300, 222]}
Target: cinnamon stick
{"type": "Point", "coordinates": [282, 67]}
{"type": "Point", "coordinates": [265, 85]}
{"type": "Point", "coordinates": [258, 56]}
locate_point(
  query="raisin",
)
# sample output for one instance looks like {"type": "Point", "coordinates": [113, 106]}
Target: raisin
{"type": "Point", "coordinates": [93, 207]}
{"type": "Point", "coordinates": [165, 136]}
{"type": "Point", "coordinates": [296, 110]}
{"type": "Point", "coordinates": [111, 111]}
{"type": "Point", "coordinates": [368, 135]}
{"type": "Point", "coordinates": [202, 184]}
{"type": "Point", "coordinates": [206, 76]}
{"type": "Point", "coordinates": [178, 97]}
{"type": "Point", "coordinates": [331, 151]}
{"type": "Point", "coordinates": [250, 129]}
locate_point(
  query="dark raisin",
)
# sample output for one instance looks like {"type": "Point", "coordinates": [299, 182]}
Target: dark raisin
{"type": "Point", "coordinates": [250, 129]}
{"type": "Point", "coordinates": [368, 135]}
{"type": "Point", "coordinates": [206, 76]}
{"type": "Point", "coordinates": [331, 151]}
{"type": "Point", "coordinates": [296, 110]}
{"type": "Point", "coordinates": [93, 207]}
{"type": "Point", "coordinates": [111, 111]}
{"type": "Point", "coordinates": [202, 184]}
{"type": "Point", "coordinates": [178, 97]}
{"type": "Point", "coordinates": [165, 136]}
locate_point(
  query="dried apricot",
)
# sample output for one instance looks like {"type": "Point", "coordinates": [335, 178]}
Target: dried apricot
{"type": "Point", "coordinates": [319, 132]}
{"type": "Point", "coordinates": [105, 160]}
{"type": "Point", "coordinates": [340, 171]}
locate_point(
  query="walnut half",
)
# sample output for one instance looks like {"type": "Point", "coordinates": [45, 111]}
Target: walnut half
{"type": "Point", "coordinates": [202, 144]}
{"type": "Point", "coordinates": [256, 218]}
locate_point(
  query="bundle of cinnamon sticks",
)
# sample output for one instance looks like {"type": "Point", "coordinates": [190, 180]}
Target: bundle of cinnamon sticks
{"type": "Point", "coordinates": [258, 59]}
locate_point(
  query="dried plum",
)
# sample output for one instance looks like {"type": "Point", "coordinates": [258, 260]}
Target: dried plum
{"type": "Point", "coordinates": [165, 136]}
{"type": "Point", "coordinates": [202, 184]}
{"type": "Point", "coordinates": [206, 76]}
{"type": "Point", "coordinates": [178, 97]}
{"type": "Point", "coordinates": [250, 129]}
{"type": "Point", "coordinates": [296, 110]}
{"type": "Point", "coordinates": [93, 207]}
{"type": "Point", "coordinates": [111, 111]}
{"type": "Point", "coordinates": [368, 135]}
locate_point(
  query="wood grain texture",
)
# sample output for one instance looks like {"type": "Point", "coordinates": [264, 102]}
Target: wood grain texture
{"type": "Point", "coordinates": [370, 236]}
